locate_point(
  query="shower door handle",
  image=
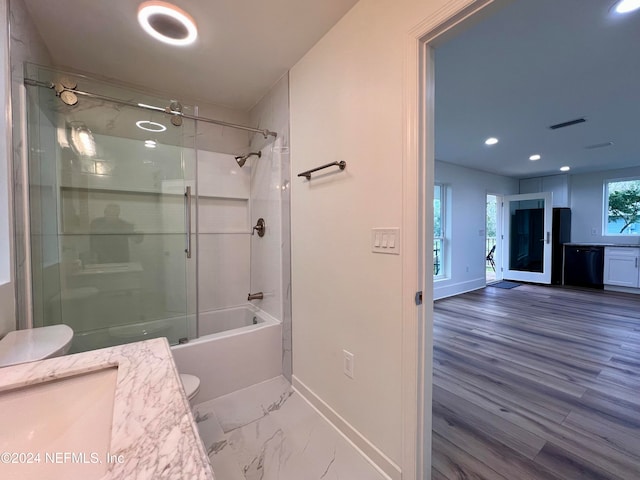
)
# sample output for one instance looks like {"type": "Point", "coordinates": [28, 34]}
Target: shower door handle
{"type": "Point", "coordinates": [187, 214]}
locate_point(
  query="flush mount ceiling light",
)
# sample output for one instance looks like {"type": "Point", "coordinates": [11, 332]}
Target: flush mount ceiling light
{"type": "Point", "coordinates": [626, 6]}
{"type": "Point", "coordinates": [150, 126]}
{"type": "Point", "coordinates": [491, 141]}
{"type": "Point", "coordinates": [565, 169]}
{"type": "Point", "coordinates": [167, 23]}
{"type": "Point", "coordinates": [535, 157]}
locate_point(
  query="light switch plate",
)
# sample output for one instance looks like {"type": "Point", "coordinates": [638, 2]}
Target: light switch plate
{"type": "Point", "coordinates": [388, 240]}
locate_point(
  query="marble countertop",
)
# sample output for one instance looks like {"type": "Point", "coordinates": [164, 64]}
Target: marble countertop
{"type": "Point", "coordinates": [153, 429]}
{"type": "Point", "coordinates": [593, 244]}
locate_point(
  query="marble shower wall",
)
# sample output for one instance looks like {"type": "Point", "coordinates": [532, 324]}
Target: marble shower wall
{"type": "Point", "coordinates": [270, 199]}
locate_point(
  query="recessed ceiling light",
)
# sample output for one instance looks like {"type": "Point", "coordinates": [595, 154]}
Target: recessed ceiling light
{"type": "Point", "coordinates": [150, 126]}
{"type": "Point", "coordinates": [535, 157]}
{"type": "Point", "coordinates": [626, 6]}
{"type": "Point", "coordinates": [150, 143]}
{"type": "Point", "coordinates": [167, 23]}
{"type": "Point", "coordinates": [491, 141]}
{"type": "Point", "coordinates": [565, 169]}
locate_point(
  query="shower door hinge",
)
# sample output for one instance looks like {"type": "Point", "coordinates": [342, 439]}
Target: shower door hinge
{"type": "Point", "coordinates": [419, 298]}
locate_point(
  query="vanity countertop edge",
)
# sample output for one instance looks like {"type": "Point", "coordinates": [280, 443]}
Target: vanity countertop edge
{"type": "Point", "coordinates": [153, 429]}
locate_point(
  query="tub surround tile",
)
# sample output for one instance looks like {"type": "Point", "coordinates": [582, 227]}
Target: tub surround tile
{"type": "Point", "coordinates": [272, 433]}
{"type": "Point", "coordinates": [153, 428]}
{"type": "Point", "coordinates": [224, 270]}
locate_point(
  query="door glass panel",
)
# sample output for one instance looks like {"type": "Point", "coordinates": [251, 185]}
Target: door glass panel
{"type": "Point", "coordinates": [526, 246]}
{"type": "Point", "coordinates": [108, 215]}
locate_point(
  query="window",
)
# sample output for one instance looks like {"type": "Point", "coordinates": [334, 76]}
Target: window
{"type": "Point", "coordinates": [438, 231]}
{"type": "Point", "coordinates": [622, 202]}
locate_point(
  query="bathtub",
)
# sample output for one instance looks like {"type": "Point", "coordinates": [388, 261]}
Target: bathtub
{"type": "Point", "coordinates": [237, 347]}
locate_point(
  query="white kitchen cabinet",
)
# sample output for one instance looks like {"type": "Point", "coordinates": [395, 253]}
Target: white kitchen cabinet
{"type": "Point", "coordinates": [621, 266]}
{"type": "Point", "coordinates": [558, 185]}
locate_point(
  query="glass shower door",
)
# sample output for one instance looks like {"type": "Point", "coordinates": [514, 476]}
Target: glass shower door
{"type": "Point", "coordinates": [109, 217]}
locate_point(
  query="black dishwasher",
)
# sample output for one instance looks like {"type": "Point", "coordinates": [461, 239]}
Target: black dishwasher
{"type": "Point", "coordinates": [584, 265]}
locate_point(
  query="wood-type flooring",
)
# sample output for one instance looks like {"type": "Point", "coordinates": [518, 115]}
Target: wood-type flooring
{"type": "Point", "coordinates": [537, 383]}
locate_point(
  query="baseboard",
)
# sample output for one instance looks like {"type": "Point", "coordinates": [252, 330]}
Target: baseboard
{"type": "Point", "coordinates": [379, 460]}
{"type": "Point", "coordinates": [458, 288]}
{"type": "Point", "coordinates": [615, 288]}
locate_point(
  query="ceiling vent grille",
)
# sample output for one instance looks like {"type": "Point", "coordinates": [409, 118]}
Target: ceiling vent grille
{"type": "Point", "coordinates": [568, 124]}
{"type": "Point", "coordinates": [599, 145]}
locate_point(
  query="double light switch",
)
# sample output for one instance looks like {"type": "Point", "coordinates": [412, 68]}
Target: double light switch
{"type": "Point", "coordinates": [385, 240]}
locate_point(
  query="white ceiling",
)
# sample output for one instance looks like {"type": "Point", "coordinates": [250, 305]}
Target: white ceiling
{"type": "Point", "coordinates": [532, 64]}
{"type": "Point", "coordinates": [244, 46]}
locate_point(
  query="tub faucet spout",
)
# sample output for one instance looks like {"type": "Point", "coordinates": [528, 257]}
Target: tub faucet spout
{"type": "Point", "coordinates": [255, 296]}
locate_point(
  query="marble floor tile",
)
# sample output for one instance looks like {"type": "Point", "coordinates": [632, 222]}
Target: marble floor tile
{"type": "Point", "coordinates": [224, 464]}
{"type": "Point", "coordinates": [252, 403]}
{"type": "Point", "coordinates": [269, 432]}
{"type": "Point", "coordinates": [209, 428]}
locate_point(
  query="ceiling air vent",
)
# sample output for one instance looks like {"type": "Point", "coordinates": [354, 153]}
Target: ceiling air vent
{"type": "Point", "coordinates": [568, 124]}
{"type": "Point", "coordinates": [599, 145]}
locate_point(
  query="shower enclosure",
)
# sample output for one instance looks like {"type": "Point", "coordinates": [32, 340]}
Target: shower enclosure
{"type": "Point", "coordinates": [114, 201]}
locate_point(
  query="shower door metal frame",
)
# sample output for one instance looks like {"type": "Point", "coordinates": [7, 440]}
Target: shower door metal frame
{"type": "Point", "coordinates": [172, 109]}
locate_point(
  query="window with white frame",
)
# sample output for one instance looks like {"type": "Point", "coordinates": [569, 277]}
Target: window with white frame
{"type": "Point", "coordinates": [622, 206]}
{"type": "Point", "coordinates": [438, 231]}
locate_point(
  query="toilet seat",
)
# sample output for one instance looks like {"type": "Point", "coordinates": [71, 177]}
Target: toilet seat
{"type": "Point", "coordinates": [191, 384]}
{"type": "Point", "coordinates": [32, 344]}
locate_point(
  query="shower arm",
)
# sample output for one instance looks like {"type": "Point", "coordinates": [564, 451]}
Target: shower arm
{"type": "Point", "coordinates": [36, 83]}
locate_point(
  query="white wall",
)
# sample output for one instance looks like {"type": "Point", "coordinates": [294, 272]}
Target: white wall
{"type": "Point", "coordinates": [347, 104]}
{"type": "Point", "coordinates": [467, 190]}
{"type": "Point", "coordinates": [270, 181]}
{"type": "Point", "coordinates": [587, 205]}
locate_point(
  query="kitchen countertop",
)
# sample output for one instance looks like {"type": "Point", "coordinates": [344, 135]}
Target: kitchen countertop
{"type": "Point", "coordinates": [587, 244]}
{"type": "Point", "coordinates": [153, 429]}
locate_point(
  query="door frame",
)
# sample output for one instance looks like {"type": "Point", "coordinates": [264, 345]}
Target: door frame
{"type": "Point", "coordinates": [527, 276]}
{"type": "Point", "coordinates": [418, 162]}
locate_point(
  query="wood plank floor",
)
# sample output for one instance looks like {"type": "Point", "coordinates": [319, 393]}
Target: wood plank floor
{"type": "Point", "coordinates": [537, 383]}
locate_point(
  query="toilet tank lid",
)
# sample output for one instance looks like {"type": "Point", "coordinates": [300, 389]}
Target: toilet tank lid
{"type": "Point", "coordinates": [33, 344]}
{"type": "Point", "coordinates": [191, 383]}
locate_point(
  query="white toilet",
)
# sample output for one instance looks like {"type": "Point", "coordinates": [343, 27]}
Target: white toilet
{"type": "Point", "coordinates": [191, 385]}
{"type": "Point", "coordinates": [32, 344]}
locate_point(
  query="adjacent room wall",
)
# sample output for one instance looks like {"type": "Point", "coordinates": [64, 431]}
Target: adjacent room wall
{"type": "Point", "coordinates": [347, 104]}
{"type": "Point", "coordinates": [467, 190]}
{"type": "Point", "coordinates": [587, 205]}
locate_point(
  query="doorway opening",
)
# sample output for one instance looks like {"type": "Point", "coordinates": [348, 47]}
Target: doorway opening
{"type": "Point", "coordinates": [492, 228]}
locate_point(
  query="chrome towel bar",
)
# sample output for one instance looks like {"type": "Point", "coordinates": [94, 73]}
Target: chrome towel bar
{"type": "Point", "coordinates": [342, 164]}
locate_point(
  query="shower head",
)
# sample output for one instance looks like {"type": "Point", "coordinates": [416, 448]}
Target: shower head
{"type": "Point", "coordinates": [241, 159]}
